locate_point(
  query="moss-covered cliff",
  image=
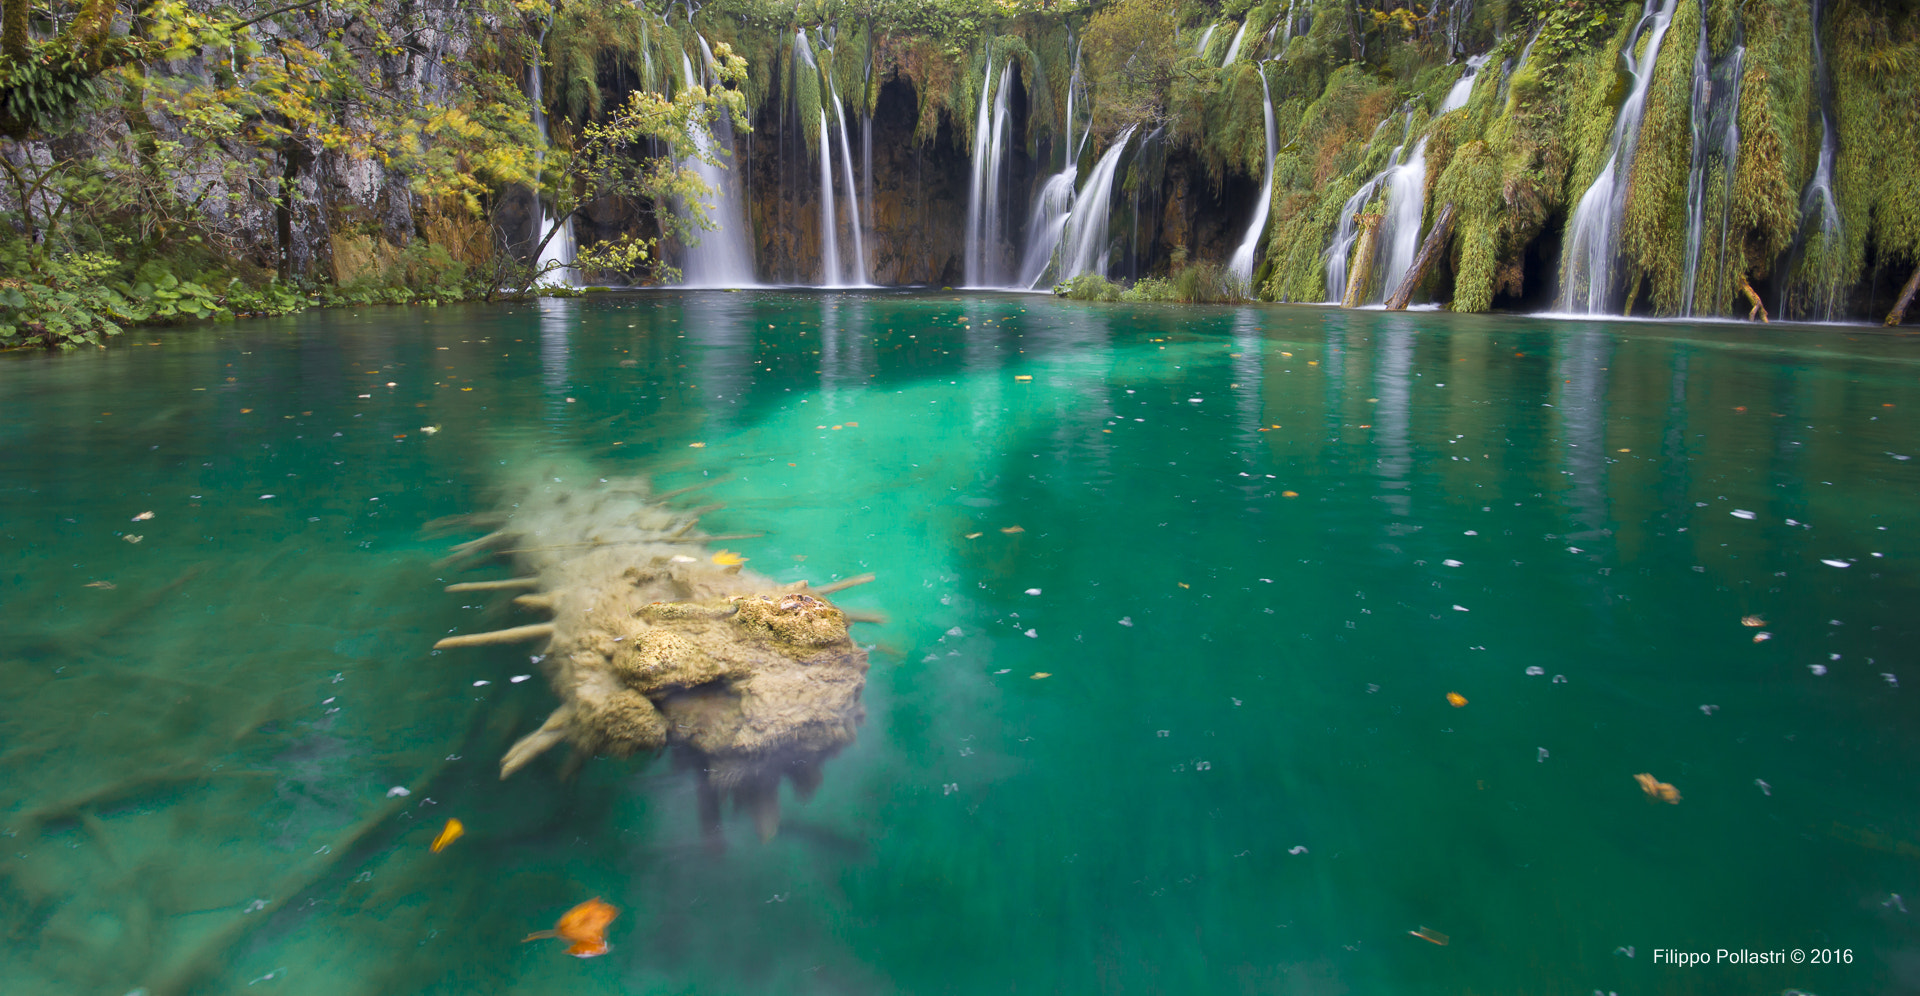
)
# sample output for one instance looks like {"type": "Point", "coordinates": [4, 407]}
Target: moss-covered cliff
{"type": "Point", "coordinates": [391, 150]}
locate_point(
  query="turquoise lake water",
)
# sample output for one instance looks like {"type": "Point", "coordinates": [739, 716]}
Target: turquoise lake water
{"type": "Point", "coordinates": [1252, 550]}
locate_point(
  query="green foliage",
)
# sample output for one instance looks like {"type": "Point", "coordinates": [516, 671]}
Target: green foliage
{"type": "Point", "coordinates": [1653, 229]}
{"type": "Point", "coordinates": [1088, 287]}
{"type": "Point", "coordinates": [63, 302]}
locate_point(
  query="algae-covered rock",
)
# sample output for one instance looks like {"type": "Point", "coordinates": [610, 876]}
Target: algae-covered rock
{"type": "Point", "coordinates": [655, 642]}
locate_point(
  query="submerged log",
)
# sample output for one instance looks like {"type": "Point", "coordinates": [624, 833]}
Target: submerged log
{"type": "Point", "coordinates": [1429, 251]}
{"type": "Point", "coordinates": [1899, 312]}
{"type": "Point", "coordinates": [1362, 268]}
{"type": "Point", "coordinates": [1758, 308]}
{"type": "Point", "coordinates": [503, 583]}
{"type": "Point", "coordinates": [518, 634]}
{"type": "Point", "coordinates": [657, 644]}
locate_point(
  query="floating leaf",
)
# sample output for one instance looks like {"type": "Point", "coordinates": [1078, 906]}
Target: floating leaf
{"type": "Point", "coordinates": [453, 831]}
{"type": "Point", "coordinates": [1657, 790]}
{"type": "Point", "coordinates": [1037, 675]}
{"type": "Point", "coordinates": [143, 516]}
{"type": "Point", "coordinates": [1431, 936]}
{"type": "Point", "coordinates": [727, 558]}
{"type": "Point", "coordinates": [108, 585]}
{"type": "Point", "coordinates": [1456, 700]}
{"type": "Point", "coordinates": [1010, 530]}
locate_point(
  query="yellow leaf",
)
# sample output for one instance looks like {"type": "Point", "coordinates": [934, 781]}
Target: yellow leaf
{"type": "Point", "coordinates": [727, 558]}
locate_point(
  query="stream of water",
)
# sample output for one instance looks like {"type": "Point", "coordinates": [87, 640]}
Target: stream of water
{"type": "Point", "coordinates": [1176, 598]}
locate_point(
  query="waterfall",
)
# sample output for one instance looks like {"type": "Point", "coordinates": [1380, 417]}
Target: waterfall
{"type": "Point", "coordinates": [1233, 50]}
{"type": "Point", "coordinates": [1050, 208]}
{"type": "Point", "coordinates": [831, 274]}
{"type": "Point", "coordinates": [1819, 214]}
{"type": "Point", "coordinates": [1045, 226]}
{"type": "Point", "coordinates": [1083, 244]}
{"type": "Point", "coordinates": [1463, 88]}
{"type": "Point", "coordinates": [559, 249]}
{"type": "Point", "coordinates": [1341, 248]}
{"type": "Point", "coordinates": [829, 229]}
{"type": "Point", "coordinates": [1205, 36]}
{"type": "Point", "coordinates": [1715, 120]}
{"type": "Point", "coordinates": [985, 218]}
{"type": "Point", "coordinates": [1400, 225]}
{"type": "Point", "coordinates": [853, 197]}
{"type": "Point", "coordinates": [723, 257]}
{"type": "Point", "coordinates": [1242, 262]}
{"type": "Point", "coordinates": [1593, 236]}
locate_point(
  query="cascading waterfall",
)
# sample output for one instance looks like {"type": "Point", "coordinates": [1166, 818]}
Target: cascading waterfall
{"type": "Point", "coordinates": [1593, 236]}
{"type": "Point", "coordinates": [985, 224]}
{"type": "Point", "coordinates": [1084, 246]}
{"type": "Point", "coordinates": [1233, 50]}
{"type": "Point", "coordinates": [832, 274]}
{"type": "Point", "coordinates": [1715, 119]}
{"type": "Point", "coordinates": [1406, 185]}
{"type": "Point", "coordinates": [1055, 200]}
{"type": "Point", "coordinates": [1241, 264]}
{"type": "Point", "coordinates": [1205, 37]}
{"type": "Point", "coordinates": [723, 257]}
{"type": "Point", "coordinates": [829, 229]}
{"type": "Point", "coordinates": [1340, 250]}
{"type": "Point", "coordinates": [555, 263]}
{"type": "Point", "coordinates": [1813, 262]}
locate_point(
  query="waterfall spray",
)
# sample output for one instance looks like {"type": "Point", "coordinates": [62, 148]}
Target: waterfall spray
{"type": "Point", "coordinates": [1084, 246]}
{"type": "Point", "coordinates": [554, 267]}
{"type": "Point", "coordinates": [723, 257]}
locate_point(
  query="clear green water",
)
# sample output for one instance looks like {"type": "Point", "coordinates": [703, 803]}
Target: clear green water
{"type": "Point", "coordinates": [194, 764]}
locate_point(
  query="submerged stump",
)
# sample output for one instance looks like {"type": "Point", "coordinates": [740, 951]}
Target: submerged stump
{"type": "Point", "coordinates": [657, 642]}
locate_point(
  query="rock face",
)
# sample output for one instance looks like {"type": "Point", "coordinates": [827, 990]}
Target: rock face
{"type": "Point", "coordinates": [655, 643]}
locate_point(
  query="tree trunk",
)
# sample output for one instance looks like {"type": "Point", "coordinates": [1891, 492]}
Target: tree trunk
{"type": "Point", "coordinates": [1362, 268]}
{"type": "Point", "coordinates": [13, 32]}
{"type": "Point", "coordinates": [1899, 312]}
{"type": "Point", "coordinates": [1758, 309]}
{"type": "Point", "coordinates": [1429, 251]}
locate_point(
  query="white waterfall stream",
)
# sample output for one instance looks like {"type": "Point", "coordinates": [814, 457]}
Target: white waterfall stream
{"type": "Point", "coordinates": [1715, 119]}
{"type": "Point", "coordinates": [1055, 200]}
{"type": "Point", "coordinates": [1405, 183]}
{"type": "Point", "coordinates": [1233, 50]}
{"type": "Point", "coordinates": [1241, 264]}
{"type": "Point", "coordinates": [986, 233]}
{"type": "Point", "coordinates": [1340, 250]}
{"type": "Point", "coordinates": [1593, 236]}
{"type": "Point", "coordinates": [832, 273]}
{"type": "Point", "coordinates": [1819, 277]}
{"type": "Point", "coordinates": [723, 257]}
{"type": "Point", "coordinates": [1084, 244]}
{"type": "Point", "coordinates": [1205, 37]}
{"type": "Point", "coordinates": [554, 266]}
{"type": "Point", "coordinates": [829, 228]}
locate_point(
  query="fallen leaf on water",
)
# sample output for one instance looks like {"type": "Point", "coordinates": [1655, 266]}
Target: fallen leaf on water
{"type": "Point", "coordinates": [143, 516]}
{"type": "Point", "coordinates": [1037, 675]}
{"type": "Point", "coordinates": [1752, 621]}
{"type": "Point", "coordinates": [428, 430]}
{"type": "Point", "coordinates": [1289, 494]}
{"type": "Point", "coordinates": [108, 585]}
{"type": "Point", "coordinates": [975, 535]}
{"type": "Point", "coordinates": [453, 831]}
{"type": "Point", "coordinates": [1762, 637]}
{"type": "Point", "coordinates": [1022, 377]}
{"type": "Point", "coordinates": [1431, 936]}
{"type": "Point", "coordinates": [853, 425]}
{"type": "Point", "coordinates": [585, 926]}
{"type": "Point", "coordinates": [1657, 789]}
{"type": "Point", "coordinates": [696, 446]}
{"type": "Point", "coordinates": [727, 558]}
{"type": "Point", "coordinates": [1183, 584]}
{"type": "Point", "coordinates": [131, 538]}
{"type": "Point", "coordinates": [1010, 530]}
{"type": "Point", "coordinates": [1456, 700]}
